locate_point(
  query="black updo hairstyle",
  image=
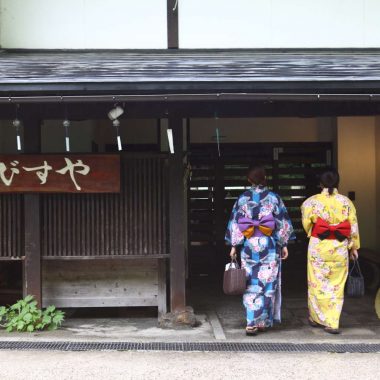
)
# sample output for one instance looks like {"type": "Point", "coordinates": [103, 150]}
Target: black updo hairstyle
{"type": "Point", "coordinates": [257, 175]}
{"type": "Point", "coordinates": [329, 179]}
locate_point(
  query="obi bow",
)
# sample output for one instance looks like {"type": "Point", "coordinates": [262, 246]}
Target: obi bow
{"type": "Point", "coordinates": [323, 230]}
{"type": "Point", "coordinates": [251, 227]}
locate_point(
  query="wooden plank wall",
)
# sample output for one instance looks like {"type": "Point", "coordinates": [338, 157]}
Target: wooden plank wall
{"type": "Point", "coordinates": [11, 226]}
{"type": "Point", "coordinates": [104, 283]}
{"type": "Point", "coordinates": [132, 223]}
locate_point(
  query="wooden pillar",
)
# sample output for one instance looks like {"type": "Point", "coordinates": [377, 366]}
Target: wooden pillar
{"type": "Point", "coordinates": [32, 222]}
{"type": "Point", "coordinates": [177, 219]}
{"type": "Point", "coordinates": [221, 251]}
{"type": "Point", "coordinates": [172, 24]}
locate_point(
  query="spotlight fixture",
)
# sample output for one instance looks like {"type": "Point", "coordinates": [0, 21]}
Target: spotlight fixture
{"type": "Point", "coordinates": [114, 115]}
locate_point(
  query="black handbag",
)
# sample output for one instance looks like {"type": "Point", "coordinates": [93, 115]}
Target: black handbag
{"type": "Point", "coordinates": [355, 281]}
{"type": "Point", "coordinates": [234, 280]}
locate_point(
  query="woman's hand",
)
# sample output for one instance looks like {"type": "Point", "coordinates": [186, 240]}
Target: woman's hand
{"type": "Point", "coordinates": [354, 254]}
{"type": "Point", "coordinates": [284, 253]}
{"type": "Point", "coordinates": [233, 253]}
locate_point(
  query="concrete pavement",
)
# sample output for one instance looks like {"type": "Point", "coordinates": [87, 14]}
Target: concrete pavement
{"type": "Point", "coordinates": [222, 319]}
{"type": "Point", "coordinates": [35, 365]}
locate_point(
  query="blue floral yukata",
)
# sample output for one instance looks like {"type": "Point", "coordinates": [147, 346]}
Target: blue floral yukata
{"type": "Point", "coordinates": [261, 255]}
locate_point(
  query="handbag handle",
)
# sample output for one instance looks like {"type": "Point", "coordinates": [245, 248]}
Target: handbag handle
{"type": "Point", "coordinates": [234, 261]}
{"type": "Point", "coordinates": [356, 263]}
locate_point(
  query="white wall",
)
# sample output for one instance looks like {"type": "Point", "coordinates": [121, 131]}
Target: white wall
{"type": "Point", "coordinates": [127, 24]}
{"type": "Point", "coordinates": [279, 23]}
{"type": "Point", "coordinates": [83, 24]}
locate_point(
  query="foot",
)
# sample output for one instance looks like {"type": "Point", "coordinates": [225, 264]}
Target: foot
{"type": "Point", "coordinates": [330, 330]}
{"type": "Point", "coordinates": [251, 330]}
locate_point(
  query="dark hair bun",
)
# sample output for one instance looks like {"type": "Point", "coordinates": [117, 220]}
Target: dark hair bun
{"type": "Point", "coordinates": [257, 175]}
{"type": "Point", "coordinates": [330, 179]}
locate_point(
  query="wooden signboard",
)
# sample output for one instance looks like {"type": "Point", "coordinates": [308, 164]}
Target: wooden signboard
{"type": "Point", "coordinates": [60, 173]}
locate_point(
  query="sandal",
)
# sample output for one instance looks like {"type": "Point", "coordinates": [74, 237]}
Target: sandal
{"type": "Point", "coordinates": [330, 330]}
{"type": "Point", "coordinates": [312, 323]}
{"type": "Point", "coordinates": [251, 330]}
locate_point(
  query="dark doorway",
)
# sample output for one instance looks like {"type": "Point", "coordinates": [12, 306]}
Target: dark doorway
{"type": "Point", "coordinates": [216, 182]}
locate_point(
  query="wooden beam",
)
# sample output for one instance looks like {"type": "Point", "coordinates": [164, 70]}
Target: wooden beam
{"type": "Point", "coordinates": [177, 219]}
{"type": "Point", "coordinates": [32, 222]}
{"type": "Point", "coordinates": [172, 24]}
{"type": "Point", "coordinates": [203, 109]}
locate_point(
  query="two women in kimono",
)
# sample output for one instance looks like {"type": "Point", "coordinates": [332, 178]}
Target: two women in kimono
{"type": "Point", "coordinates": [260, 225]}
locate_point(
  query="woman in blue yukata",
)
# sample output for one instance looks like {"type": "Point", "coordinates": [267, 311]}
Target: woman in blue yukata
{"type": "Point", "coordinates": [260, 225]}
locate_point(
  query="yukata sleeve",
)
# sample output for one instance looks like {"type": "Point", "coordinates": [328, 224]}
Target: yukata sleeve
{"type": "Point", "coordinates": [233, 235]}
{"type": "Point", "coordinates": [307, 212]}
{"type": "Point", "coordinates": [284, 229]}
{"type": "Point", "coordinates": [354, 240]}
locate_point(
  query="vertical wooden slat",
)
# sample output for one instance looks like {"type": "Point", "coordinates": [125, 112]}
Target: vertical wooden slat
{"type": "Point", "coordinates": [144, 205]}
{"type": "Point", "coordinates": [128, 199]}
{"type": "Point", "coordinates": [127, 210]}
{"type": "Point", "coordinates": [135, 208]}
{"type": "Point", "coordinates": [45, 236]}
{"type": "Point", "coordinates": [93, 221]}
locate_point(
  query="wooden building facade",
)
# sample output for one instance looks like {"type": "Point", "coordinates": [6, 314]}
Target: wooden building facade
{"type": "Point", "coordinates": [138, 246]}
{"type": "Point", "coordinates": [75, 246]}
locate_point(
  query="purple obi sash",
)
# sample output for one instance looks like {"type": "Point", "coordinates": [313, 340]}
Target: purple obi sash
{"type": "Point", "coordinates": [257, 228]}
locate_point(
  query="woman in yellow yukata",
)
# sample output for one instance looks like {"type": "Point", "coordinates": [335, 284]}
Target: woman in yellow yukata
{"type": "Point", "coordinates": [330, 221]}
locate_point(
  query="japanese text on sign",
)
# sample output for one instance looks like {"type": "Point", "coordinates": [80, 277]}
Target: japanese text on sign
{"type": "Point", "coordinates": [93, 173]}
{"type": "Point", "coordinates": [42, 172]}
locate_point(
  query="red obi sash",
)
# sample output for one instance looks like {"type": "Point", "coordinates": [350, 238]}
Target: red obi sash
{"type": "Point", "coordinates": [323, 230]}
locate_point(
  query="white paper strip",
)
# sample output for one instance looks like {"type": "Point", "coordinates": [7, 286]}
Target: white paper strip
{"type": "Point", "coordinates": [170, 140]}
{"type": "Point", "coordinates": [18, 142]}
{"type": "Point", "coordinates": [67, 139]}
{"type": "Point", "coordinates": [119, 146]}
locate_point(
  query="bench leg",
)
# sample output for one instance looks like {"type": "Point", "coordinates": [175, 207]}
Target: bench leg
{"type": "Point", "coordinates": [162, 299]}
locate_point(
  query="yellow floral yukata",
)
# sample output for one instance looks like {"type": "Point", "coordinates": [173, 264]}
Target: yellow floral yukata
{"type": "Point", "coordinates": [327, 265]}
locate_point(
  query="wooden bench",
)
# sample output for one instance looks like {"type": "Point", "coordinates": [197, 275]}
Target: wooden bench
{"type": "Point", "coordinates": [370, 264]}
{"type": "Point", "coordinates": [104, 283]}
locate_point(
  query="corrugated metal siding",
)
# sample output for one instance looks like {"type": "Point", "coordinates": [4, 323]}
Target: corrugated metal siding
{"type": "Point", "coordinates": [131, 223]}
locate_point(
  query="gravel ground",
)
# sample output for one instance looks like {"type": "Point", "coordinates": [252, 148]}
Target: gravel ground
{"type": "Point", "coordinates": [27, 365]}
